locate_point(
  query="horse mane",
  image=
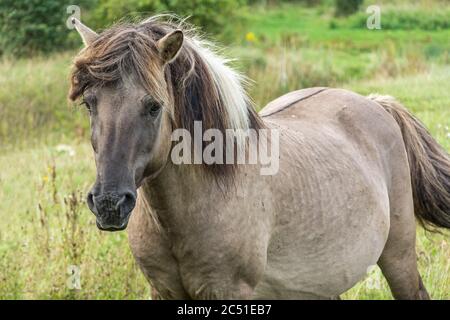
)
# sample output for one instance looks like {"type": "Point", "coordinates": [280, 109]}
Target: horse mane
{"type": "Point", "coordinates": [201, 84]}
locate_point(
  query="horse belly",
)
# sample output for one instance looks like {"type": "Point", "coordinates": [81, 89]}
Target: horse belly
{"type": "Point", "coordinates": [326, 256]}
{"type": "Point", "coordinates": [318, 275]}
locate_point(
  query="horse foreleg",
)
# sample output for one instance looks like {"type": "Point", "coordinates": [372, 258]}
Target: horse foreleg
{"type": "Point", "coordinates": [151, 250]}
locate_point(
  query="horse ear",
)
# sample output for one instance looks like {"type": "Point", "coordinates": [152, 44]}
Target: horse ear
{"type": "Point", "coordinates": [170, 45]}
{"type": "Point", "coordinates": [87, 35]}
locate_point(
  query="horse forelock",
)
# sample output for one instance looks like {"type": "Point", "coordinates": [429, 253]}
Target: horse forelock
{"type": "Point", "coordinates": [120, 52]}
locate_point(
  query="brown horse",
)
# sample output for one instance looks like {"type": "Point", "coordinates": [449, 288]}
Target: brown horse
{"type": "Point", "coordinates": [353, 174]}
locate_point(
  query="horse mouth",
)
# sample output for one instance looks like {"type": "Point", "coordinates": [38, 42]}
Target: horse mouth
{"type": "Point", "coordinates": [112, 228]}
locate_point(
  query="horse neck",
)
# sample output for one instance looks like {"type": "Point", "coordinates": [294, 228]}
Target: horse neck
{"type": "Point", "coordinates": [181, 192]}
{"type": "Point", "coordinates": [172, 191]}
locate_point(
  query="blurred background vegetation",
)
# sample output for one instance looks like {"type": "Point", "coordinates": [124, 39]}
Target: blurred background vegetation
{"type": "Point", "coordinates": [47, 165]}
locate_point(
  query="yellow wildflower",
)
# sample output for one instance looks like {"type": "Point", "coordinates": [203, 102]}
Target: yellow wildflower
{"type": "Point", "coordinates": [250, 37]}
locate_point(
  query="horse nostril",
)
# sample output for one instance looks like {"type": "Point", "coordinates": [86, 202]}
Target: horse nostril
{"type": "Point", "coordinates": [90, 202]}
{"type": "Point", "coordinates": [126, 203]}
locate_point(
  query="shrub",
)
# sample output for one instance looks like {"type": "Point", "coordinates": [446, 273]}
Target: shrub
{"type": "Point", "coordinates": [212, 15]}
{"type": "Point", "coordinates": [38, 26]}
{"type": "Point", "coordinates": [347, 7]}
{"type": "Point", "coordinates": [275, 2]}
{"type": "Point", "coordinates": [31, 26]}
{"type": "Point", "coordinates": [109, 11]}
{"type": "Point", "coordinates": [405, 20]}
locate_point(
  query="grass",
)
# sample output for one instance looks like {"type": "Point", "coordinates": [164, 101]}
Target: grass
{"type": "Point", "coordinates": [46, 226]}
{"type": "Point", "coordinates": [299, 48]}
{"type": "Point", "coordinates": [33, 102]}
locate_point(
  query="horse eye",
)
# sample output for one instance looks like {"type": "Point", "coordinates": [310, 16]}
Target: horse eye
{"type": "Point", "coordinates": [153, 108]}
{"type": "Point", "coordinates": [89, 103]}
{"type": "Point", "coordinates": [86, 104]}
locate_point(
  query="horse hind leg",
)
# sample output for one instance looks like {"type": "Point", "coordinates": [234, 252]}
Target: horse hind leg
{"type": "Point", "coordinates": [398, 261]}
{"type": "Point", "coordinates": [400, 269]}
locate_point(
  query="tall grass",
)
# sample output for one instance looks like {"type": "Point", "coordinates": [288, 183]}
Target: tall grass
{"type": "Point", "coordinates": [33, 101]}
{"type": "Point", "coordinates": [49, 238]}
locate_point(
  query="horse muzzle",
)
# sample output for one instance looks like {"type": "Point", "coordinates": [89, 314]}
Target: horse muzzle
{"type": "Point", "coordinates": [112, 209]}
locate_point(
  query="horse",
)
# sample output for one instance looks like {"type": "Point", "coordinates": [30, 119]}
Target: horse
{"type": "Point", "coordinates": [355, 173]}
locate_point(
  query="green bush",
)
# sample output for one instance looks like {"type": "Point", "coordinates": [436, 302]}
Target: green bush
{"type": "Point", "coordinates": [106, 12]}
{"type": "Point", "coordinates": [28, 27]}
{"type": "Point", "coordinates": [275, 2]}
{"type": "Point", "coordinates": [212, 15]}
{"type": "Point", "coordinates": [347, 7]}
{"type": "Point", "coordinates": [406, 20]}
{"type": "Point", "coordinates": [32, 26]}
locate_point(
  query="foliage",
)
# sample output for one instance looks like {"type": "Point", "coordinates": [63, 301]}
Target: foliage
{"type": "Point", "coordinates": [347, 7]}
{"type": "Point", "coordinates": [212, 15]}
{"type": "Point", "coordinates": [28, 27]}
{"type": "Point", "coordinates": [407, 20]}
{"type": "Point", "coordinates": [277, 2]}
{"type": "Point", "coordinates": [32, 26]}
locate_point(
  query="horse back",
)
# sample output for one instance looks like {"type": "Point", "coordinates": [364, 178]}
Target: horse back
{"type": "Point", "coordinates": [339, 115]}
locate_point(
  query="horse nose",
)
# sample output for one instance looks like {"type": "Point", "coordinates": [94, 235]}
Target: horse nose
{"type": "Point", "coordinates": [112, 209]}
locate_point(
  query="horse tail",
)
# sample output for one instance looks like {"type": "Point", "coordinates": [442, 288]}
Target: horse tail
{"type": "Point", "coordinates": [429, 165]}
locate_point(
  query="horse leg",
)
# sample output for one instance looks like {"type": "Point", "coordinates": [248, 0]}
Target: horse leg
{"type": "Point", "coordinates": [400, 270]}
{"type": "Point", "coordinates": [398, 261]}
{"type": "Point", "coordinates": [152, 253]}
{"type": "Point", "coordinates": [235, 290]}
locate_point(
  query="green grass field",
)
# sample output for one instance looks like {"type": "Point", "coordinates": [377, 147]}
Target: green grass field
{"type": "Point", "coordinates": [48, 166]}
